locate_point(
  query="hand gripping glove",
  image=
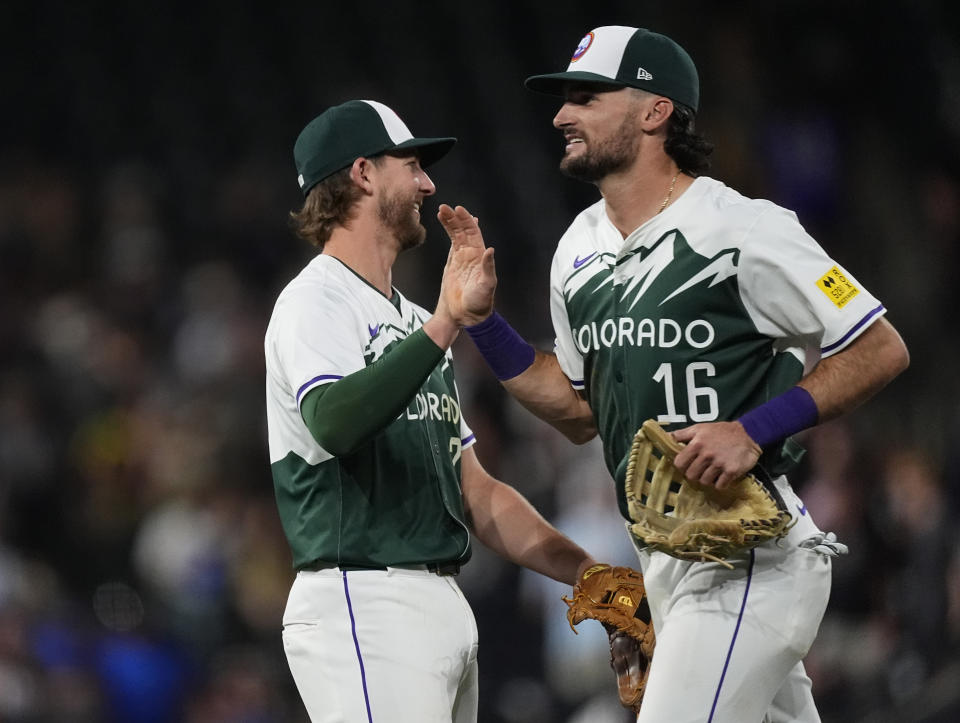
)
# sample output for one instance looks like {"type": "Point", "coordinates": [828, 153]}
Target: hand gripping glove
{"type": "Point", "coordinates": [615, 597]}
{"type": "Point", "coordinates": [692, 521]}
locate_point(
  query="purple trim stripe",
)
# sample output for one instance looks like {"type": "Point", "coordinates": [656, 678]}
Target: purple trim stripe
{"type": "Point", "coordinates": [468, 440]}
{"type": "Point", "coordinates": [313, 381]}
{"type": "Point", "coordinates": [736, 632]}
{"type": "Point", "coordinates": [356, 644]}
{"type": "Point", "coordinates": [856, 326]}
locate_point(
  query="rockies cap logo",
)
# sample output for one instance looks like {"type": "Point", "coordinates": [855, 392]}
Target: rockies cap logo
{"type": "Point", "coordinates": [582, 48]}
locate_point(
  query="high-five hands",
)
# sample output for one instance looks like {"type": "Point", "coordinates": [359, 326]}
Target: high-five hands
{"type": "Point", "coordinates": [469, 277]}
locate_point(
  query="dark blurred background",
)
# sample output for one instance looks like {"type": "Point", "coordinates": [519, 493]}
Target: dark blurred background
{"type": "Point", "coordinates": [146, 175]}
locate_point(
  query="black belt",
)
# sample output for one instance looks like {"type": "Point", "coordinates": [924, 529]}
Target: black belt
{"type": "Point", "coordinates": [444, 569]}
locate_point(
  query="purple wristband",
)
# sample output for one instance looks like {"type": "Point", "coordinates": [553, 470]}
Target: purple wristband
{"type": "Point", "coordinates": [504, 349]}
{"type": "Point", "coordinates": [791, 412]}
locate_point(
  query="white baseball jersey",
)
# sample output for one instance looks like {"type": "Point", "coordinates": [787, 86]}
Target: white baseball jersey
{"type": "Point", "coordinates": [704, 312]}
{"type": "Point", "coordinates": [397, 499]}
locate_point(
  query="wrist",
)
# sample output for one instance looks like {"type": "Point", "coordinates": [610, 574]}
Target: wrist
{"type": "Point", "coordinates": [504, 350]}
{"type": "Point", "coordinates": [477, 321]}
{"type": "Point", "coordinates": [442, 329]}
{"type": "Point", "coordinates": [585, 565]}
{"type": "Point", "coordinates": [784, 415]}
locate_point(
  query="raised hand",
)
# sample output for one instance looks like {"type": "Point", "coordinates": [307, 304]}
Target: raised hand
{"type": "Point", "coordinates": [469, 277]}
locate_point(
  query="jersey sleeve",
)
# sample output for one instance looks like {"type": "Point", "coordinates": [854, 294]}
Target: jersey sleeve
{"type": "Point", "coordinates": [315, 339]}
{"type": "Point", "coordinates": [568, 355]}
{"type": "Point", "coordinates": [794, 291]}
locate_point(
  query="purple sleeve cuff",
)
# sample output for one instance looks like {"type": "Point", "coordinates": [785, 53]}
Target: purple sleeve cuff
{"type": "Point", "coordinates": [791, 412]}
{"type": "Point", "coordinates": [502, 347]}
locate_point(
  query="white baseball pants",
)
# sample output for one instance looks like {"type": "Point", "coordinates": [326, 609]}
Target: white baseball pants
{"type": "Point", "coordinates": [730, 642]}
{"type": "Point", "coordinates": [370, 646]}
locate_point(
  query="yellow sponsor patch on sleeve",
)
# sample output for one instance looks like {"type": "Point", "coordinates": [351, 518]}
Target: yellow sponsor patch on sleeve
{"type": "Point", "coordinates": [837, 287]}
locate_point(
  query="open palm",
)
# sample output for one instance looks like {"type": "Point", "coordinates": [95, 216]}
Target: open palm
{"type": "Point", "coordinates": [469, 277]}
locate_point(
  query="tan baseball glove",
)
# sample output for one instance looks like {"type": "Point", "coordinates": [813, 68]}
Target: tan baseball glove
{"type": "Point", "coordinates": [615, 596]}
{"type": "Point", "coordinates": [692, 521]}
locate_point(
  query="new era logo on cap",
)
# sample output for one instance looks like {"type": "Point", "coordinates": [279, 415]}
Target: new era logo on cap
{"type": "Point", "coordinates": [623, 56]}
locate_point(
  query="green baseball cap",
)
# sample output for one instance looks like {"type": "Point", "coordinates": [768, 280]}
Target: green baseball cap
{"type": "Point", "coordinates": [621, 56]}
{"type": "Point", "coordinates": [352, 130]}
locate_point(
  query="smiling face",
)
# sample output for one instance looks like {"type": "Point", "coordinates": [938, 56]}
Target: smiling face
{"type": "Point", "coordinates": [599, 125]}
{"type": "Point", "coordinates": [400, 198]}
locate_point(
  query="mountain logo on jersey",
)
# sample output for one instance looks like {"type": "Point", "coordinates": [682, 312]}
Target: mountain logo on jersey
{"type": "Point", "coordinates": [624, 302]}
{"type": "Point", "coordinates": [638, 271]}
{"type": "Point", "coordinates": [383, 336]}
{"type": "Point", "coordinates": [721, 267]}
{"type": "Point", "coordinates": [641, 270]}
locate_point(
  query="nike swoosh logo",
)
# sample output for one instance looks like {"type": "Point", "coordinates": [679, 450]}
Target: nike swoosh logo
{"type": "Point", "coordinates": [802, 510]}
{"type": "Point", "coordinates": [578, 262]}
{"type": "Point", "coordinates": [373, 330]}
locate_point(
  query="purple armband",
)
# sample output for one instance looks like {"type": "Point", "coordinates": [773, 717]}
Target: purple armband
{"type": "Point", "coordinates": [791, 412]}
{"type": "Point", "coordinates": [504, 349]}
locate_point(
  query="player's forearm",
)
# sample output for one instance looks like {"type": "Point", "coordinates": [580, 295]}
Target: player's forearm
{"type": "Point", "coordinates": [836, 385]}
{"type": "Point", "coordinates": [533, 377]}
{"type": "Point", "coordinates": [343, 415]}
{"type": "Point", "coordinates": [508, 524]}
{"type": "Point", "coordinates": [441, 328]}
{"type": "Point", "coordinates": [844, 381]}
{"type": "Point", "coordinates": [545, 390]}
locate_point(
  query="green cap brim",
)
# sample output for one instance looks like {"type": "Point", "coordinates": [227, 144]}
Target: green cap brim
{"type": "Point", "coordinates": [430, 150]}
{"type": "Point", "coordinates": [554, 83]}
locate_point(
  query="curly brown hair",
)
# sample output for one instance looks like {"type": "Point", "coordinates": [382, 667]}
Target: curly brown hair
{"type": "Point", "coordinates": [328, 204]}
{"type": "Point", "coordinates": [684, 145]}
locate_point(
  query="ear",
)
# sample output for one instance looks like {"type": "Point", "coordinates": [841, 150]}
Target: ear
{"type": "Point", "coordinates": [657, 113]}
{"type": "Point", "coordinates": [360, 174]}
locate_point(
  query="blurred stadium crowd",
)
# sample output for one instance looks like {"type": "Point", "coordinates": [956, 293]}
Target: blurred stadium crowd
{"type": "Point", "coordinates": [145, 179]}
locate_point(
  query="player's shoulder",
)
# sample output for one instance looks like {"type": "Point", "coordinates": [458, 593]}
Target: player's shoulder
{"type": "Point", "coordinates": [323, 278]}
{"type": "Point", "coordinates": [717, 196]}
{"type": "Point", "coordinates": [720, 209]}
{"type": "Point", "coordinates": [320, 284]}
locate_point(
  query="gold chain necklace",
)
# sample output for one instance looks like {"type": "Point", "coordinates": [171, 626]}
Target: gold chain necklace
{"type": "Point", "coordinates": [669, 193]}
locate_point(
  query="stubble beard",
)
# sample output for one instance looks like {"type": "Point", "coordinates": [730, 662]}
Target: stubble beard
{"type": "Point", "coordinates": [396, 215]}
{"type": "Point", "coordinates": [607, 156]}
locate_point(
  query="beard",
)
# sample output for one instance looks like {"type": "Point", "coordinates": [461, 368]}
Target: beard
{"type": "Point", "coordinates": [607, 156]}
{"type": "Point", "coordinates": [396, 215]}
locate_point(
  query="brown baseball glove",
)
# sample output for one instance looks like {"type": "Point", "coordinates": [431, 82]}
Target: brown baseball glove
{"type": "Point", "coordinates": [692, 521]}
{"type": "Point", "coordinates": [615, 597]}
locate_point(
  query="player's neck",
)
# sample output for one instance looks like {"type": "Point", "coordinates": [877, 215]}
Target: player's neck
{"type": "Point", "coordinates": [637, 195]}
{"type": "Point", "coordinates": [361, 248]}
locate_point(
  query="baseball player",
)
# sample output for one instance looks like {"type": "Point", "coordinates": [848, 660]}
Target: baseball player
{"type": "Point", "coordinates": [675, 297]}
{"type": "Point", "coordinates": [377, 483]}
